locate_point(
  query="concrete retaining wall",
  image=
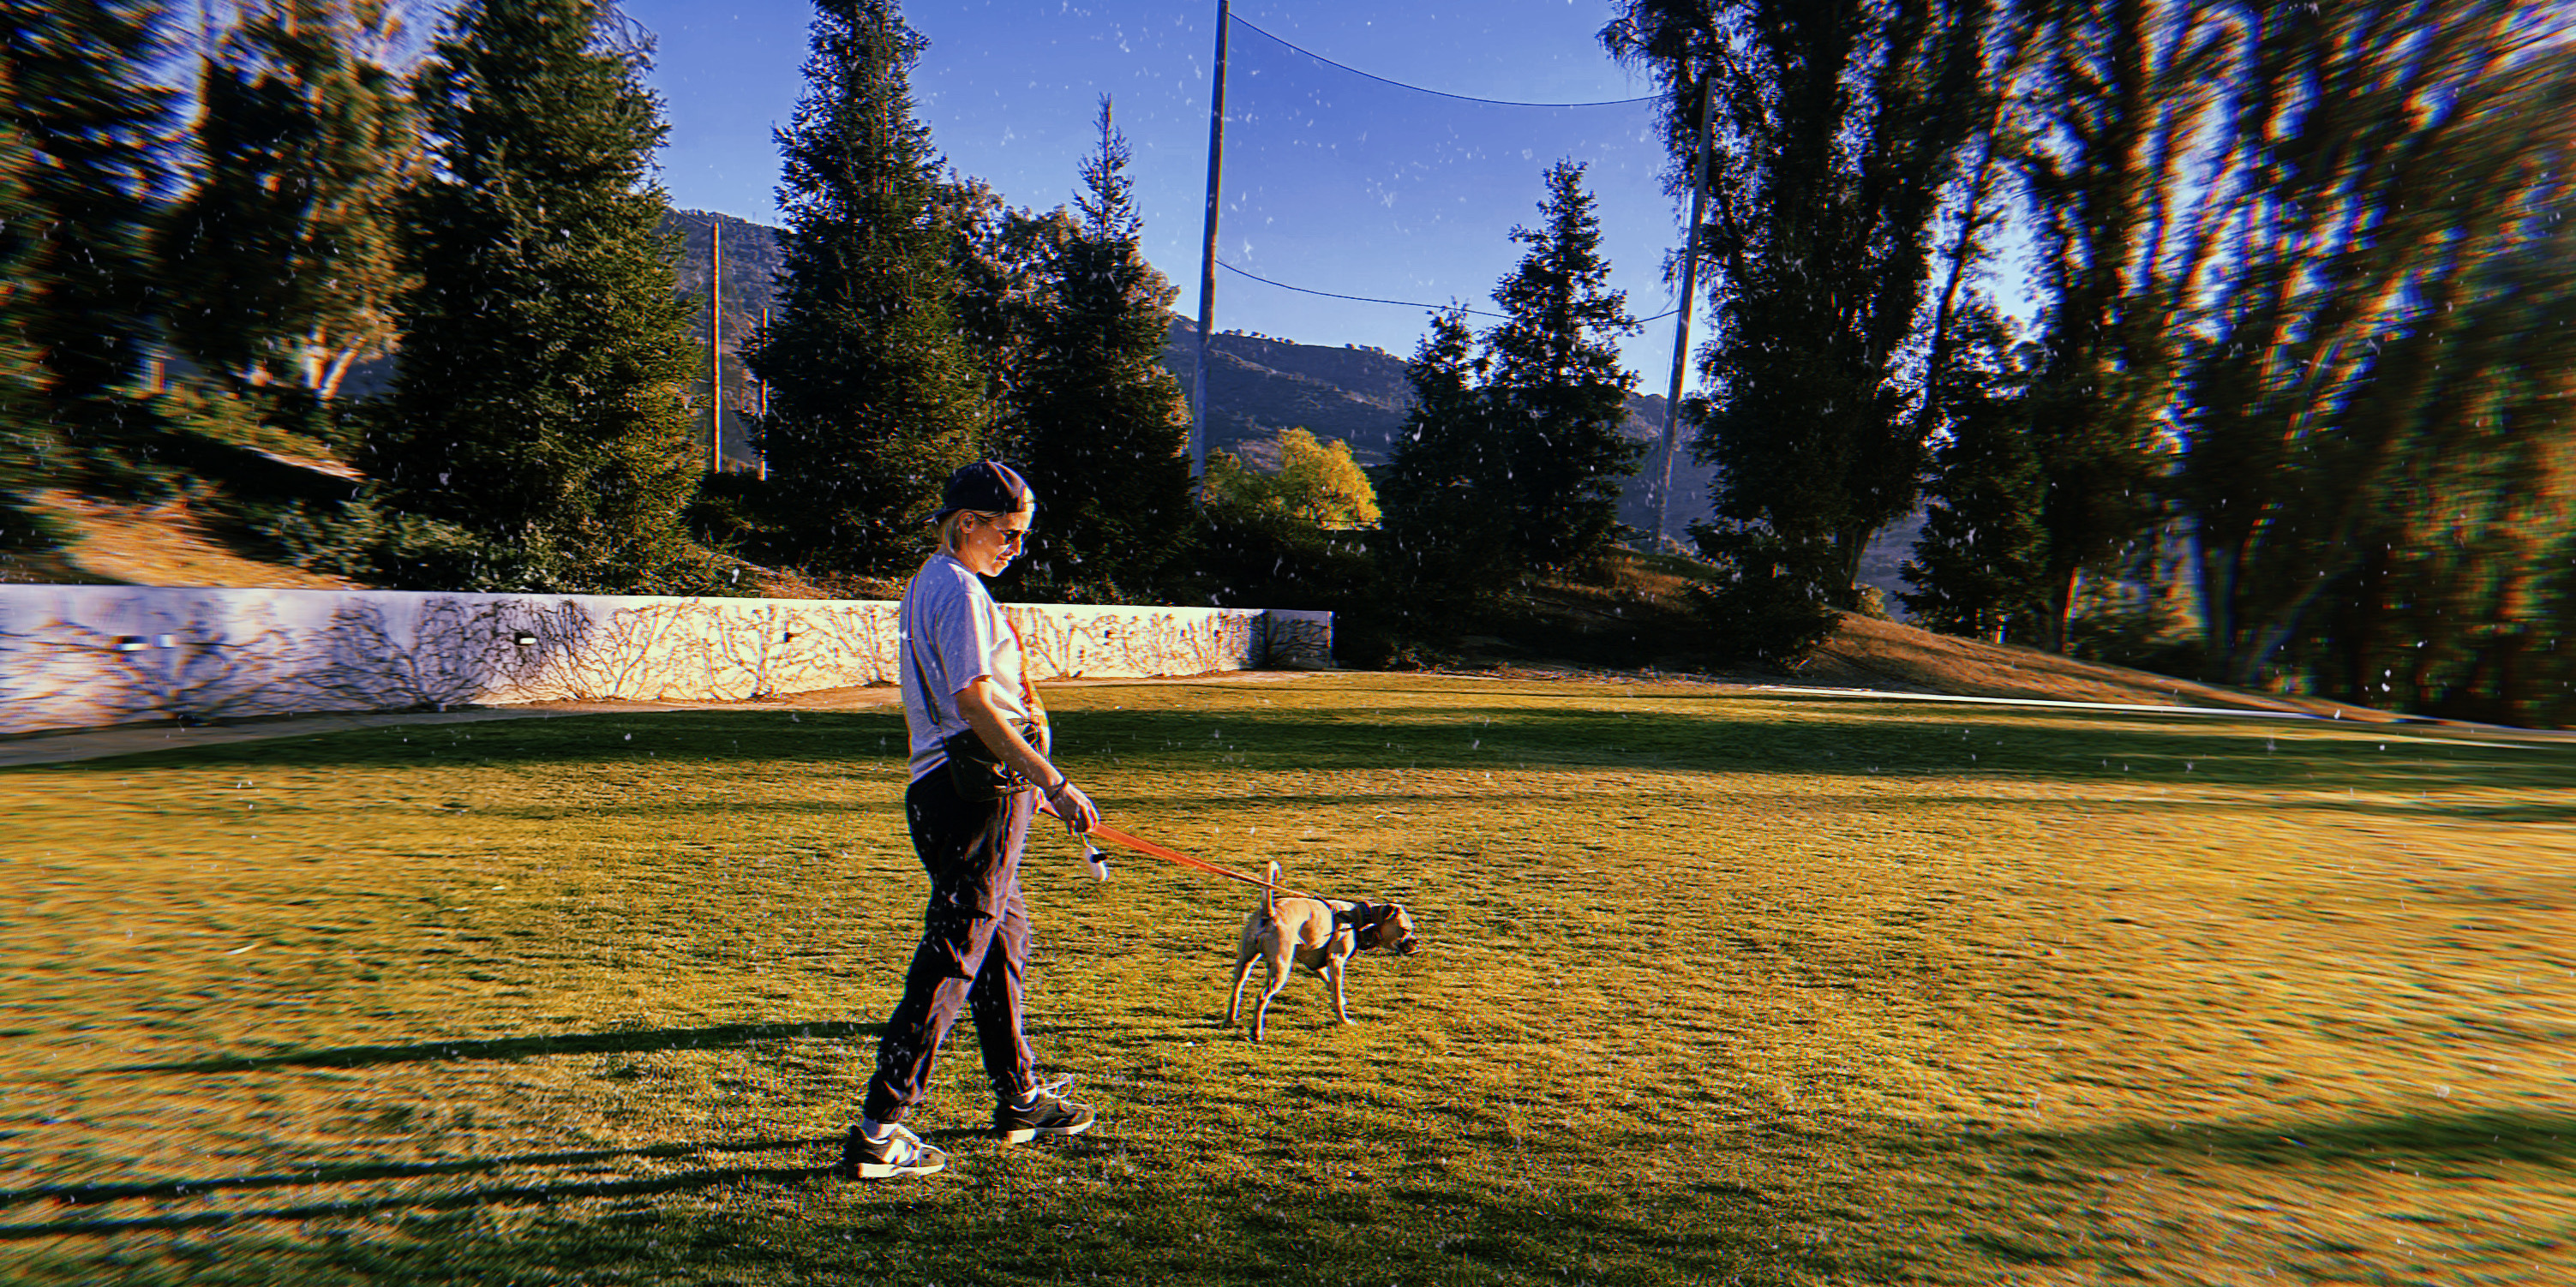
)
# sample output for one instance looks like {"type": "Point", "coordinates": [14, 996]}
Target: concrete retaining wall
{"type": "Point", "coordinates": [87, 656]}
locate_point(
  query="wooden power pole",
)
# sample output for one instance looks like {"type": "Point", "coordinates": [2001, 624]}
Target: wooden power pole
{"type": "Point", "coordinates": [1681, 326]}
{"type": "Point", "coordinates": [715, 344]}
{"type": "Point", "coordinates": [1207, 252]}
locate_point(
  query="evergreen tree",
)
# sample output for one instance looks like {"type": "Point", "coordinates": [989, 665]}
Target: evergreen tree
{"type": "Point", "coordinates": [1107, 429]}
{"type": "Point", "coordinates": [1002, 259]}
{"type": "Point", "coordinates": [91, 147]}
{"type": "Point", "coordinates": [1980, 566]}
{"type": "Point", "coordinates": [1556, 391]}
{"type": "Point", "coordinates": [1447, 493]}
{"type": "Point", "coordinates": [283, 260]}
{"type": "Point", "coordinates": [28, 445]}
{"type": "Point", "coordinates": [539, 399]}
{"type": "Point", "coordinates": [874, 393]}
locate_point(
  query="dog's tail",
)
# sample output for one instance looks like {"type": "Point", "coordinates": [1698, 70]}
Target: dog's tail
{"type": "Point", "coordinates": [1270, 892]}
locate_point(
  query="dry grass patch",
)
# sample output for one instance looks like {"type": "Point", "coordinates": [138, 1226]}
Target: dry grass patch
{"type": "Point", "coordinates": [1721, 989]}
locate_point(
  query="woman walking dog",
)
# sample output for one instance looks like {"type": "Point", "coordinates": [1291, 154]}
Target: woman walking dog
{"type": "Point", "coordinates": [979, 767]}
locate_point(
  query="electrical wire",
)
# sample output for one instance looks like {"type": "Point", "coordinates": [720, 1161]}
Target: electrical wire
{"type": "Point", "coordinates": [1400, 303]}
{"type": "Point", "coordinates": [1464, 98]}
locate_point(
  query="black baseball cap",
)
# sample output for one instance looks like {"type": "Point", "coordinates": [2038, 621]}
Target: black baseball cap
{"type": "Point", "coordinates": [988, 486]}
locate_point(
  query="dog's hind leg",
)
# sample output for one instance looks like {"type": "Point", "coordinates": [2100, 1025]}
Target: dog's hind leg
{"type": "Point", "coordinates": [1279, 970]}
{"type": "Point", "coordinates": [1242, 973]}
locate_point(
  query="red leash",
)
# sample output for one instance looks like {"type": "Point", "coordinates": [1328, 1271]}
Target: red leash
{"type": "Point", "coordinates": [1114, 836]}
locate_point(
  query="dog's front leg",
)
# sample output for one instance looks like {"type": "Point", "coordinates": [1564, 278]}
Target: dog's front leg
{"type": "Point", "coordinates": [1334, 970]}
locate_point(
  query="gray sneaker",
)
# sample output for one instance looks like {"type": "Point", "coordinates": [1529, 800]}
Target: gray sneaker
{"type": "Point", "coordinates": [901, 1153]}
{"type": "Point", "coordinates": [1047, 1113]}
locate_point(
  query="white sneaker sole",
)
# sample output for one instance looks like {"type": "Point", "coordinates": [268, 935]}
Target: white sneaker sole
{"type": "Point", "coordinates": [1023, 1134]}
{"type": "Point", "coordinates": [889, 1171]}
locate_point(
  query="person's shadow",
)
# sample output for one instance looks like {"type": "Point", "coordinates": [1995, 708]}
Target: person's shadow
{"type": "Point", "coordinates": [367, 1172]}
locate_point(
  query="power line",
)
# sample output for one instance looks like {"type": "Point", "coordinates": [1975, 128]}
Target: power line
{"type": "Point", "coordinates": [1464, 98]}
{"type": "Point", "coordinates": [1401, 303]}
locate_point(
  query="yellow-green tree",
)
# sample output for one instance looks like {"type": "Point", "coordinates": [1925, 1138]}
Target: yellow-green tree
{"type": "Point", "coordinates": [1318, 482]}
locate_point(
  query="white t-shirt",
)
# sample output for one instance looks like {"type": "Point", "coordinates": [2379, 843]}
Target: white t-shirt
{"type": "Point", "coordinates": [951, 634]}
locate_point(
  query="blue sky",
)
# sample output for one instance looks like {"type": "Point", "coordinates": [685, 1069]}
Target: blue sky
{"type": "Point", "coordinates": [1334, 182]}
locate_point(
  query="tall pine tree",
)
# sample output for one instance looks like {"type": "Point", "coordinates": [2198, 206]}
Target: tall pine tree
{"type": "Point", "coordinates": [28, 444]}
{"type": "Point", "coordinates": [92, 142]}
{"type": "Point", "coordinates": [1557, 392]}
{"type": "Point", "coordinates": [1446, 496]}
{"type": "Point", "coordinates": [1107, 429]}
{"type": "Point", "coordinates": [1980, 567]}
{"type": "Point", "coordinates": [539, 398]}
{"type": "Point", "coordinates": [874, 392]}
{"type": "Point", "coordinates": [283, 260]}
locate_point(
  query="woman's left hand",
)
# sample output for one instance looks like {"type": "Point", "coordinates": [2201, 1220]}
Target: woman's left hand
{"type": "Point", "coordinates": [1076, 809]}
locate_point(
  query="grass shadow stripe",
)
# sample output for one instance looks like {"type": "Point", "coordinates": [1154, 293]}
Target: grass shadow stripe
{"type": "Point", "coordinates": [684, 1182]}
{"type": "Point", "coordinates": [364, 1171]}
{"type": "Point", "coordinates": [731, 1034]}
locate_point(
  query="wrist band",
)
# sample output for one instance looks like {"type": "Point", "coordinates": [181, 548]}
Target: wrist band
{"type": "Point", "coordinates": [1058, 789]}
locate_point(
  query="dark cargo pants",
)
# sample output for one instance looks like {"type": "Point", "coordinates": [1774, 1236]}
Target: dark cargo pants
{"type": "Point", "coordinates": [974, 946]}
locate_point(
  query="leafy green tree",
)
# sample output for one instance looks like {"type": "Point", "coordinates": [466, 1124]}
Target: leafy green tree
{"type": "Point", "coordinates": [91, 137]}
{"type": "Point", "coordinates": [539, 402]}
{"type": "Point", "coordinates": [283, 261]}
{"type": "Point", "coordinates": [1839, 128]}
{"type": "Point", "coordinates": [1556, 389]}
{"type": "Point", "coordinates": [1106, 427]}
{"type": "Point", "coordinates": [1317, 483]}
{"type": "Point", "coordinates": [2455, 602]}
{"type": "Point", "coordinates": [2377, 158]}
{"type": "Point", "coordinates": [874, 392]}
{"type": "Point", "coordinates": [2119, 108]}
{"type": "Point", "coordinates": [1981, 563]}
{"type": "Point", "coordinates": [1320, 482]}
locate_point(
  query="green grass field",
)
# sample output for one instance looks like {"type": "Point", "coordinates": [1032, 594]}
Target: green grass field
{"type": "Point", "coordinates": [1719, 989]}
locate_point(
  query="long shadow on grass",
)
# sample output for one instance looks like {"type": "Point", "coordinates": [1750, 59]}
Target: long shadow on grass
{"type": "Point", "coordinates": [517, 1193]}
{"type": "Point", "coordinates": [731, 1034]}
{"type": "Point", "coordinates": [365, 1171]}
{"type": "Point", "coordinates": [1608, 733]}
{"type": "Point", "coordinates": [2454, 1138]}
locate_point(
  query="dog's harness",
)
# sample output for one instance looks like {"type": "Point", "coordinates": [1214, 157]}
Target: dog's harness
{"type": "Point", "coordinates": [1368, 920]}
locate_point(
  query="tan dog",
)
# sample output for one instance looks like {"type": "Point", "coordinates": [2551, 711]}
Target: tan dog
{"type": "Point", "coordinates": [1321, 934]}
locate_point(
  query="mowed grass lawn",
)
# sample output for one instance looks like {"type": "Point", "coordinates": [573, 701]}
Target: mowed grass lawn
{"type": "Point", "coordinates": [1720, 989]}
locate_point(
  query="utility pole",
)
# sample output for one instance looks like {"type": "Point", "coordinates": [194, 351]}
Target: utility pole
{"type": "Point", "coordinates": [715, 343]}
{"type": "Point", "coordinates": [1207, 251]}
{"type": "Point", "coordinates": [762, 391]}
{"type": "Point", "coordinates": [1681, 326]}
